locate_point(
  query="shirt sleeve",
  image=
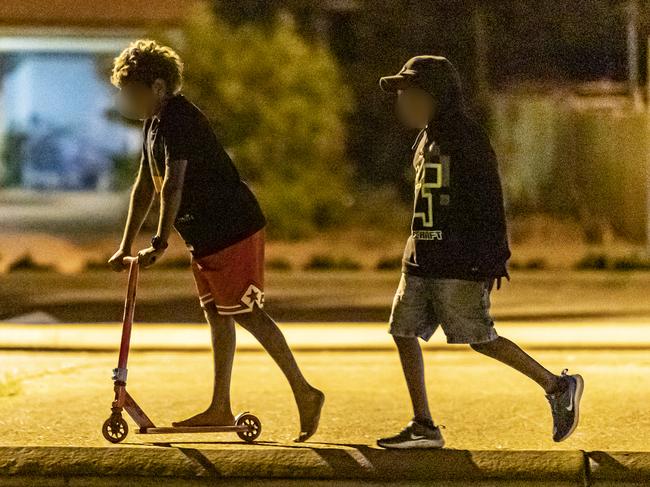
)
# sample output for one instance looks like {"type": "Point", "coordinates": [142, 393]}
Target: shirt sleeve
{"type": "Point", "coordinates": [177, 138]}
{"type": "Point", "coordinates": [484, 191]}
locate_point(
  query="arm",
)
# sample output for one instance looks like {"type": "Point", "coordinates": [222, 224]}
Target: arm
{"type": "Point", "coordinates": [484, 190]}
{"type": "Point", "coordinates": [141, 198]}
{"type": "Point", "coordinates": [170, 196]}
{"type": "Point", "coordinates": [489, 204]}
{"type": "Point", "coordinates": [176, 132]}
{"type": "Point", "coordinates": [170, 200]}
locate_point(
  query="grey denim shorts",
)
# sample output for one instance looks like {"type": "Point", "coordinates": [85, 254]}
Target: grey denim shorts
{"type": "Point", "coordinates": [460, 306]}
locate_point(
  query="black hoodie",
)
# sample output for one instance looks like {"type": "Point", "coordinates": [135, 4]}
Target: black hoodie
{"type": "Point", "coordinates": [458, 228]}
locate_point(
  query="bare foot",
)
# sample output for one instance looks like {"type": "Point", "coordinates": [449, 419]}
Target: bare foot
{"type": "Point", "coordinates": [207, 418]}
{"type": "Point", "coordinates": [309, 408]}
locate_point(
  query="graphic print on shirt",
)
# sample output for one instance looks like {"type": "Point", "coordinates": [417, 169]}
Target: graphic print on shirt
{"type": "Point", "coordinates": [431, 191]}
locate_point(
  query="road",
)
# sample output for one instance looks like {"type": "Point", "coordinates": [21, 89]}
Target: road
{"type": "Point", "coordinates": [62, 398]}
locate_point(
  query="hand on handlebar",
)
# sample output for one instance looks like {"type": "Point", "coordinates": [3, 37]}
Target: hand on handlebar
{"type": "Point", "coordinates": [148, 257]}
{"type": "Point", "coordinates": [118, 261]}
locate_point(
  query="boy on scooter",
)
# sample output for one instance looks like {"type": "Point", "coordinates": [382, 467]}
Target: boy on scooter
{"type": "Point", "coordinates": [216, 214]}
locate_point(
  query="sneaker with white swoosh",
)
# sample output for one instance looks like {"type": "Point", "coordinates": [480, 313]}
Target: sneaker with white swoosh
{"type": "Point", "coordinates": [415, 435]}
{"type": "Point", "coordinates": [565, 406]}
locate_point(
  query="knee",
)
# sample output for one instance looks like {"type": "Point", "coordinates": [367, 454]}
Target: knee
{"type": "Point", "coordinates": [210, 312]}
{"type": "Point", "coordinates": [214, 318]}
{"type": "Point", "coordinates": [250, 320]}
{"type": "Point", "coordinates": [483, 347]}
{"type": "Point", "coordinates": [478, 347]}
{"type": "Point", "coordinates": [403, 342]}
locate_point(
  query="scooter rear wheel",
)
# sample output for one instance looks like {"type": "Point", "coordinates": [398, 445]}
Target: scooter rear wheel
{"type": "Point", "coordinates": [254, 427]}
{"type": "Point", "coordinates": [115, 428]}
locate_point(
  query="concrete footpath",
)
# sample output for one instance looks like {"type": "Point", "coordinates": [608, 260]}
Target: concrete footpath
{"type": "Point", "coordinates": [631, 333]}
{"type": "Point", "coordinates": [347, 463]}
{"type": "Point", "coordinates": [134, 465]}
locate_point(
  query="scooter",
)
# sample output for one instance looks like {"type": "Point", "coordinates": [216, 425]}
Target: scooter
{"type": "Point", "coordinates": [247, 426]}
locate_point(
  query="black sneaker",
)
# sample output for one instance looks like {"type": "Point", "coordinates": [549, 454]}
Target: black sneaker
{"type": "Point", "coordinates": [415, 435]}
{"type": "Point", "coordinates": [565, 406]}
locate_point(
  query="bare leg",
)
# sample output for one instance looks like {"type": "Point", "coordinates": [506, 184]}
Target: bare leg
{"type": "Point", "coordinates": [510, 354]}
{"type": "Point", "coordinates": [410, 355]}
{"type": "Point", "coordinates": [309, 399]}
{"type": "Point", "coordinates": [222, 329]}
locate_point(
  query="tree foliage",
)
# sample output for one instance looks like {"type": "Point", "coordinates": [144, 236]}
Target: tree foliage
{"type": "Point", "coordinates": [279, 106]}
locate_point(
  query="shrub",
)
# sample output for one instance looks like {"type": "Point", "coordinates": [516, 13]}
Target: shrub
{"type": "Point", "coordinates": [279, 264]}
{"type": "Point", "coordinates": [278, 104]}
{"type": "Point", "coordinates": [593, 261]}
{"type": "Point", "coordinates": [97, 264]}
{"type": "Point", "coordinates": [531, 264]}
{"type": "Point", "coordinates": [389, 263]}
{"type": "Point", "coordinates": [327, 262]}
{"type": "Point", "coordinates": [173, 262]}
{"type": "Point", "coordinates": [26, 263]}
{"type": "Point", "coordinates": [632, 263]}
{"type": "Point", "coordinates": [601, 261]}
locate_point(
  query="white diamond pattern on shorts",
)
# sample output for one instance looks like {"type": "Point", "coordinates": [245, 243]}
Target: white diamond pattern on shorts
{"type": "Point", "coordinates": [253, 295]}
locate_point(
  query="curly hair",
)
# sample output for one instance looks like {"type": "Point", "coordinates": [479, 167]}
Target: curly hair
{"type": "Point", "coordinates": [145, 61]}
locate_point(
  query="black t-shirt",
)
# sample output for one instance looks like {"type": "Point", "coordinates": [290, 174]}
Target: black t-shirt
{"type": "Point", "coordinates": [217, 208]}
{"type": "Point", "coordinates": [458, 228]}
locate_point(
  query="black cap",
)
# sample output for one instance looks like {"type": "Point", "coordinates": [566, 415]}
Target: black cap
{"type": "Point", "coordinates": [418, 71]}
{"type": "Point", "coordinates": [434, 74]}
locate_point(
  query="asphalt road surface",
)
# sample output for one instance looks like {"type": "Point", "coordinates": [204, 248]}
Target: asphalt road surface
{"type": "Point", "coordinates": [62, 398]}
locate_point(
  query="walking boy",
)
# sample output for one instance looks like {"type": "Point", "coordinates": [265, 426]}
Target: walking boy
{"type": "Point", "coordinates": [214, 211]}
{"type": "Point", "coordinates": [457, 250]}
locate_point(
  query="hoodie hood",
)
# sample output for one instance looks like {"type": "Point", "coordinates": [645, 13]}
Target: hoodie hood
{"type": "Point", "coordinates": [437, 76]}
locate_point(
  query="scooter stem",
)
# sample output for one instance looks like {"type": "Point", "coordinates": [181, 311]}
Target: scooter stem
{"type": "Point", "coordinates": [119, 373]}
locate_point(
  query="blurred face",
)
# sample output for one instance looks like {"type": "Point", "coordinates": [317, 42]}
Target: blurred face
{"type": "Point", "coordinates": [138, 101]}
{"type": "Point", "coordinates": [415, 107]}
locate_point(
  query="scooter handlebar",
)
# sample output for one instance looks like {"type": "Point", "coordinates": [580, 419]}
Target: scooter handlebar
{"type": "Point", "coordinates": [129, 259]}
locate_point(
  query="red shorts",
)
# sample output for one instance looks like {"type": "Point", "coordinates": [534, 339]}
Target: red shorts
{"type": "Point", "coordinates": [232, 278]}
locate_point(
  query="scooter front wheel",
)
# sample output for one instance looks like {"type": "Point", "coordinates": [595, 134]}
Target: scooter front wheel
{"type": "Point", "coordinates": [115, 428]}
{"type": "Point", "coordinates": [254, 427]}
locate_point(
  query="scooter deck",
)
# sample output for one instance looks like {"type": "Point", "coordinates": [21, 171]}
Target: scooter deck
{"type": "Point", "coordinates": [190, 429]}
{"type": "Point", "coordinates": [115, 428]}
